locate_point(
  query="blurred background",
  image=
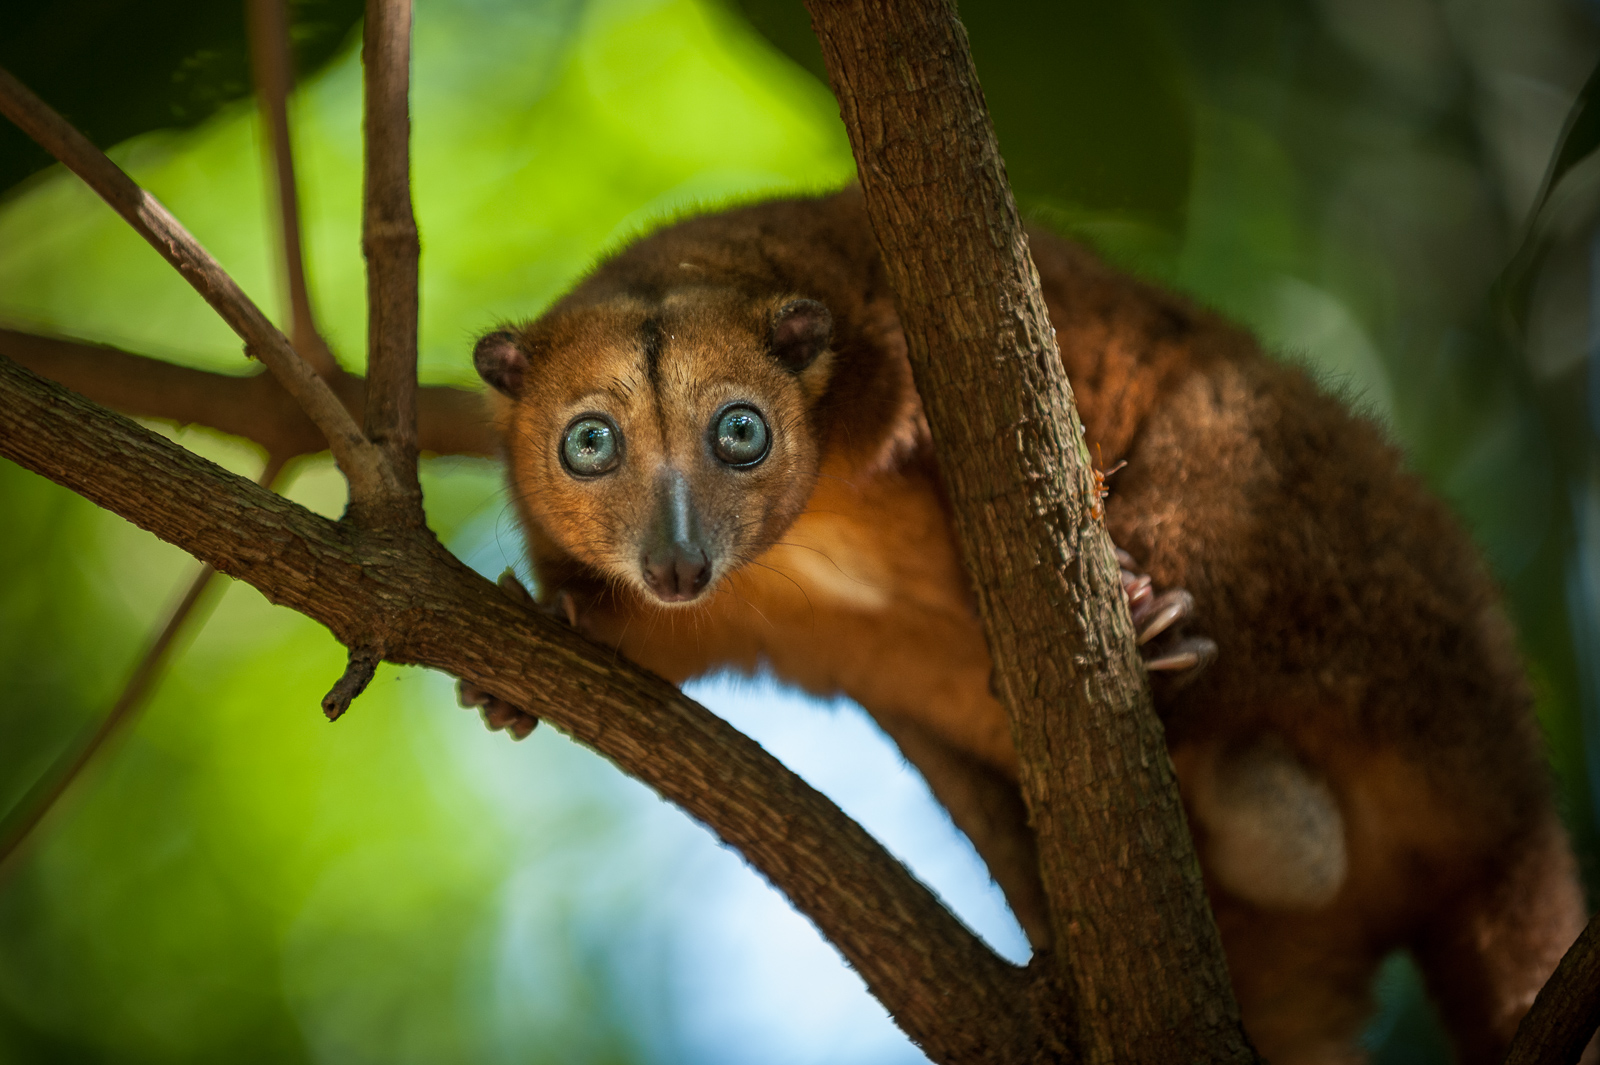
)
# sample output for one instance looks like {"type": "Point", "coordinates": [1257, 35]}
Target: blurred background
{"type": "Point", "coordinates": [1361, 181]}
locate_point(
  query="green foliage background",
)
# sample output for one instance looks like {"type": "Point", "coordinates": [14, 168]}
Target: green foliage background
{"type": "Point", "coordinates": [238, 879]}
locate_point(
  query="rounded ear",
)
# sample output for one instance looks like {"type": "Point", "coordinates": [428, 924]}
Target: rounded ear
{"type": "Point", "coordinates": [501, 361]}
{"type": "Point", "coordinates": [801, 331]}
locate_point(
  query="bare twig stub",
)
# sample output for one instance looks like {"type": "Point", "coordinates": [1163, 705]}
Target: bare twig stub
{"type": "Point", "coordinates": [362, 463]}
{"type": "Point", "coordinates": [952, 994]}
{"type": "Point", "coordinates": [389, 240]}
{"type": "Point", "coordinates": [1138, 950]}
{"type": "Point", "coordinates": [272, 62]}
{"type": "Point", "coordinates": [357, 675]}
{"type": "Point", "coordinates": [450, 421]}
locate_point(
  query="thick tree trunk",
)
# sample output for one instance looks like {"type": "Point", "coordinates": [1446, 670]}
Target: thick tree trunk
{"type": "Point", "coordinates": [1137, 949]}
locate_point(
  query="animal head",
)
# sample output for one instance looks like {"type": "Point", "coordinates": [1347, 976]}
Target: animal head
{"type": "Point", "coordinates": [665, 441]}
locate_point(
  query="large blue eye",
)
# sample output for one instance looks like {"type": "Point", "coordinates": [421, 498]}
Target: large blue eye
{"type": "Point", "coordinates": [740, 436]}
{"type": "Point", "coordinates": [591, 446]}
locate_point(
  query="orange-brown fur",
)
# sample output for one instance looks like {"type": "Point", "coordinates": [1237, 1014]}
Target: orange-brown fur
{"type": "Point", "coordinates": [1356, 625]}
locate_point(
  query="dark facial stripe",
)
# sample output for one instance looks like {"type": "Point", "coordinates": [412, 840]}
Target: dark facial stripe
{"type": "Point", "coordinates": [650, 340]}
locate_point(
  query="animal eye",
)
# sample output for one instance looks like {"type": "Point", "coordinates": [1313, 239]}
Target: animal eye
{"type": "Point", "coordinates": [591, 446]}
{"type": "Point", "coordinates": [740, 437]}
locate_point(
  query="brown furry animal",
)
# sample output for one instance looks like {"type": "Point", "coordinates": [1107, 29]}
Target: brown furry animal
{"type": "Point", "coordinates": [721, 463]}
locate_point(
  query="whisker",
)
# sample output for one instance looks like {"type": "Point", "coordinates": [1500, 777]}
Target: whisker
{"type": "Point", "coordinates": [811, 607]}
{"type": "Point", "coordinates": [830, 561]}
{"type": "Point", "coordinates": [747, 602]}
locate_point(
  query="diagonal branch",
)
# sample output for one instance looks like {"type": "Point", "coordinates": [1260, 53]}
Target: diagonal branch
{"type": "Point", "coordinates": [272, 62]}
{"type": "Point", "coordinates": [398, 589]}
{"type": "Point", "coordinates": [1566, 1012]}
{"type": "Point", "coordinates": [363, 465]}
{"type": "Point", "coordinates": [450, 421]}
{"type": "Point", "coordinates": [389, 240]}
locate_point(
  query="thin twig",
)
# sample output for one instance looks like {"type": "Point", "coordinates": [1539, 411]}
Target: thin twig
{"type": "Point", "coordinates": [272, 62]}
{"type": "Point", "coordinates": [450, 421]}
{"type": "Point", "coordinates": [20, 822]}
{"type": "Point", "coordinates": [389, 241]}
{"type": "Point", "coordinates": [363, 464]}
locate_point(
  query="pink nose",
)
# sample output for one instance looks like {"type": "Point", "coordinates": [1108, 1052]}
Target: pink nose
{"type": "Point", "coordinates": [676, 573]}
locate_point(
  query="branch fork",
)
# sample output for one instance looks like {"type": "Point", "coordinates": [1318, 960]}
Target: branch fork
{"type": "Point", "coordinates": [376, 483]}
{"type": "Point", "coordinates": [953, 995]}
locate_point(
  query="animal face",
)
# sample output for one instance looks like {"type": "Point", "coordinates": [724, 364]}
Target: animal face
{"type": "Point", "coordinates": [663, 442]}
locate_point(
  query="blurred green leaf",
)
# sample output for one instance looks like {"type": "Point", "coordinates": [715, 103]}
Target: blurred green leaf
{"type": "Point", "coordinates": [1580, 138]}
{"type": "Point", "coordinates": [1066, 82]}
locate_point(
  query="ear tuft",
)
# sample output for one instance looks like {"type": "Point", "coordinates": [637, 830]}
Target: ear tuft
{"type": "Point", "coordinates": [501, 361]}
{"type": "Point", "coordinates": [801, 331]}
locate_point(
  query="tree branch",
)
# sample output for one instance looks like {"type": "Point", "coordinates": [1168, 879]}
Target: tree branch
{"type": "Point", "coordinates": [389, 241]}
{"type": "Point", "coordinates": [399, 590]}
{"type": "Point", "coordinates": [363, 465]}
{"type": "Point", "coordinates": [272, 63]}
{"type": "Point", "coordinates": [1566, 1012]}
{"type": "Point", "coordinates": [1134, 935]}
{"type": "Point", "coordinates": [450, 421]}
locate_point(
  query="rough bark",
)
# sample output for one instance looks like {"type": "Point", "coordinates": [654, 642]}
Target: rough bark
{"type": "Point", "coordinates": [1137, 948]}
{"type": "Point", "coordinates": [1567, 1012]}
{"type": "Point", "coordinates": [399, 591]}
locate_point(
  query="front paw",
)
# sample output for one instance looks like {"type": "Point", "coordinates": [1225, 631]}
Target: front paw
{"type": "Point", "coordinates": [497, 713]}
{"type": "Point", "coordinates": [1158, 621]}
{"type": "Point", "coordinates": [588, 605]}
{"type": "Point", "coordinates": [575, 603]}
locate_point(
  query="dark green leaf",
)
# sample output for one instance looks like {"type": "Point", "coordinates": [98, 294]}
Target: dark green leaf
{"type": "Point", "coordinates": [118, 68]}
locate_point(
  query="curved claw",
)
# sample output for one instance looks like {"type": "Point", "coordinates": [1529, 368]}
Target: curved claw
{"type": "Point", "coordinates": [568, 606]}
{"type": "Point", "coordinates": [514, 589]}
{"type": "Point", "coordinates": [1191, 653]}
{"type": "Point", "coordinates": [1159, 613]}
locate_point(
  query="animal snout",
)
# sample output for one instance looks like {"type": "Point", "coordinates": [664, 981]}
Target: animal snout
{"type": "Point", "coordinates": [677, 573]}
{"type": "Point", "coordinates": [676, 567]}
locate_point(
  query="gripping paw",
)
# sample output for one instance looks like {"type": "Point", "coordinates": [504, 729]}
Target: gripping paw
{"type": "Point", "coordinates": [1158, 619]}
{"type": "Point", "coordinates": [497, 713]}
